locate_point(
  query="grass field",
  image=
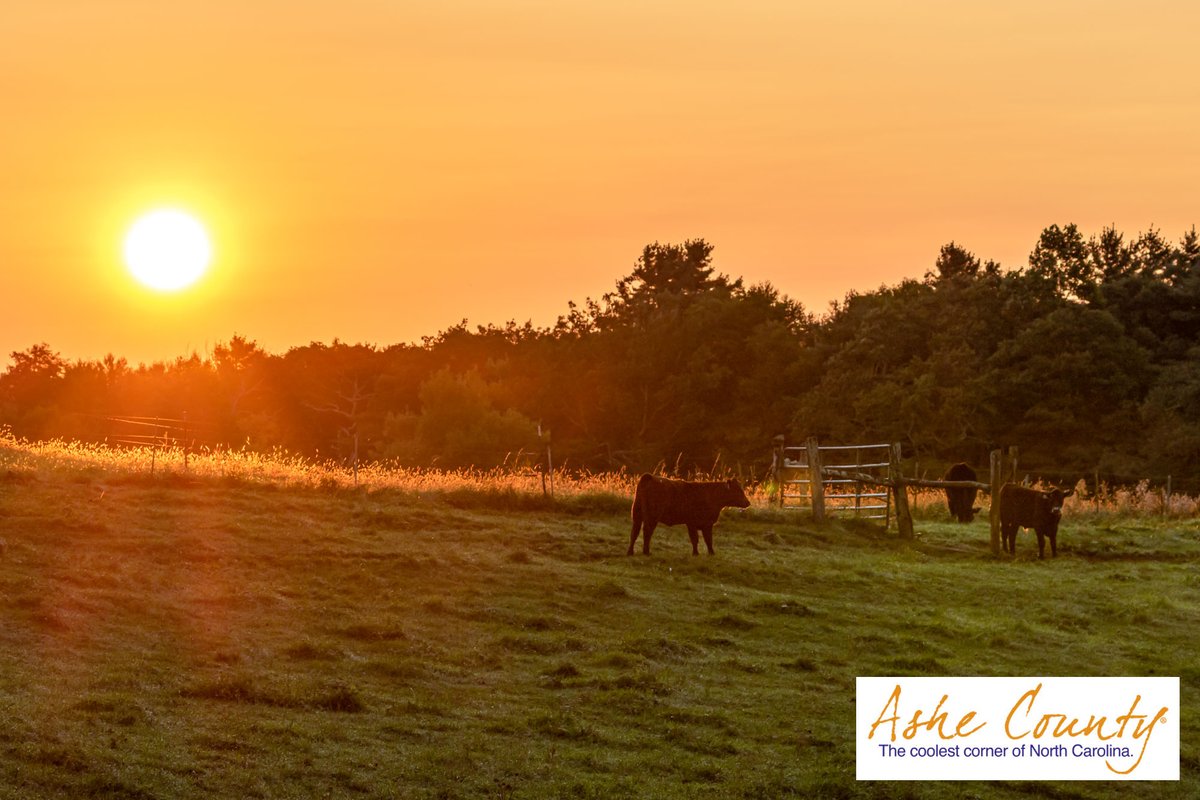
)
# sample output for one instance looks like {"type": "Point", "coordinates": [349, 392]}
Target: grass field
{"type": "Point", "coordinates": [205, 636]}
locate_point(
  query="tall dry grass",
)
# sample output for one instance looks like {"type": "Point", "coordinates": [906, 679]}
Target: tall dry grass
{"type": "Point", "coordinates": [283, 469]}
{"type": "Point", "coordinates": [1139, 500]}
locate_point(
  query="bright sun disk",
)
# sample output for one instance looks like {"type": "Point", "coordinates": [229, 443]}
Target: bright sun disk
{"type": "Point", "coordinates": [167, 250]}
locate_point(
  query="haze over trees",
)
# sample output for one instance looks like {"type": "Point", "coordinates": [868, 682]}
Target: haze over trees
{"type": "Point", "coordinates": [1087, 358]}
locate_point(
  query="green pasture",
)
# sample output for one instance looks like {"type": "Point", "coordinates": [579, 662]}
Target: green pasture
{"type": "Point", "coordinates": [174, 637]}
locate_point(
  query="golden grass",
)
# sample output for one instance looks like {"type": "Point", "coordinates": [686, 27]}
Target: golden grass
{"type": "Point", "coordinates": [283, 469]}
{"type": "Point", "coordinates": [288, 470]}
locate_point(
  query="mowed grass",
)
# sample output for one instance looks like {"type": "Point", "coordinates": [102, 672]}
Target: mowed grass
{"type": "Point", "coordinates": [181, 637]}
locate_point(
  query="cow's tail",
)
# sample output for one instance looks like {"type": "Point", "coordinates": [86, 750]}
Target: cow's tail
{"type": "Point", "coordinates": [638, 510]}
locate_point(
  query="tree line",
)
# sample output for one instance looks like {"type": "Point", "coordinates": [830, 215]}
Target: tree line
{"type": "Point", "coordinates": [1087, 358]}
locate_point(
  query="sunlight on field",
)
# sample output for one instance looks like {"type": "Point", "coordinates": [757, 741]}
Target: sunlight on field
{"type": "Point", "coordinates": [251, 625]}
{"type": "Point", "coordinates": [272, 633]}
{"type": "Point", "coordinates": [285, 469]}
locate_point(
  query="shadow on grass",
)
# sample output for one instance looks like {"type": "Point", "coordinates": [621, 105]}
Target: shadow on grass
{"type": "Point", "coordinates": [237, 689]}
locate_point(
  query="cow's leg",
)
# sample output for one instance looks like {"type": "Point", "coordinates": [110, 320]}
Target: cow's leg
{"type": "Point", "coordinates": [647, 532]}
{"type": "Point", "coordinates": [637, 524]}
{"type": "Point", "coordinates": [707, 531]}
{"type": "Point", "coordinates": [1054, 545]}
{"type": "Point", "coordinates": [1008, 538]}
{"type": "Point", "coordinates": [694, 535]}
{"type": "Point", "coordinates": [1041, 543]}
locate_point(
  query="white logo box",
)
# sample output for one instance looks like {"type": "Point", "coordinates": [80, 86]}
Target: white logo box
{"type": "Point", "coordinates": [1036, 728]}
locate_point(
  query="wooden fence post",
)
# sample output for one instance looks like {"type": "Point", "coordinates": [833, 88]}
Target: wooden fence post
{"type": "Point", "coordinates": [816, 480]}
{"type": "Point", "coordinates": [544, 437]}
{"type": "Point", "coordinates": [904, 523]}
{"type": "Point", "coordinates": [858, 486]}
{"type": "Point", "coordinates": [996, 478]}
{"type": "Point", "coordinates": [780, 443]}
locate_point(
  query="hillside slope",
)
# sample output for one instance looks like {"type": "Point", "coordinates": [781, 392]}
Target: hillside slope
{"type": "Point", "coordinates": [175, 637]}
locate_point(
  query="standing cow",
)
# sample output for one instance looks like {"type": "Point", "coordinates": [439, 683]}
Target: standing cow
{"type": "Point", "coordinates": [961, 499]}
{"type": "Point", "coordinates": [691, 503]}
{"type": "Point", "coordinates": [1029, 508]}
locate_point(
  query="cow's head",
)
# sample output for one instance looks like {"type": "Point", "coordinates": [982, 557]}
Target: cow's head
{"type": "Point", "coordinates": [964, 514]}
{"type": "Point", "coordinates": [1054, 500]}
{"type": "Point", "coordinates": [735, 496]}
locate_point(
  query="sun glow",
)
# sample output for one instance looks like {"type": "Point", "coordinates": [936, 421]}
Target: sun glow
{"type": "Point", "coordinates": [167, 250]}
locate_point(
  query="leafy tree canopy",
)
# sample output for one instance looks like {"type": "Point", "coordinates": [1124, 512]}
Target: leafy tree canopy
{"type": "Point", "coordinates": [1086, 358]}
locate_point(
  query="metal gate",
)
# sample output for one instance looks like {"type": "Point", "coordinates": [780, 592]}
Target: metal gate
{"type": "Point", "coordinates": [828, 479]}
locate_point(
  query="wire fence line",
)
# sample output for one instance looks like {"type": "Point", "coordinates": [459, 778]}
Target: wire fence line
{"type": "Point", "coordinates": [187, 437]}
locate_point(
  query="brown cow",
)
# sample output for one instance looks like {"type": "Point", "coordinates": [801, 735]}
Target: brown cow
{"type": "Point", "coordinates": [1021, 507]}
{"type": "Point", "coordinates": [692, 503]}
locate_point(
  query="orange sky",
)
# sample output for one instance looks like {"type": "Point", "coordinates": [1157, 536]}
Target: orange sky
{"type": "Point", "coordinates": [376, 170]}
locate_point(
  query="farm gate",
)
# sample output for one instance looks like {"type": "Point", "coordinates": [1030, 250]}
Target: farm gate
{"type": "Point", "coordinates": [852, 479]}
{"type": "Point", "coordinates": [876, 468]}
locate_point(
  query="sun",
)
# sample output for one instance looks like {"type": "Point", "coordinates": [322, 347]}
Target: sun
{"type": "Point", "coordinates": [167, 249]}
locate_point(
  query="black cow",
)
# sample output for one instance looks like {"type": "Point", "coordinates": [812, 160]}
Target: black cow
{"type": "Point", "coordinates": [1029, 508]}
{"type": "Point", "coordinates": [691, 503]}
{"type": "Point", "coordinates": [961, 499]}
